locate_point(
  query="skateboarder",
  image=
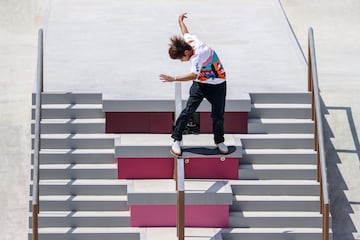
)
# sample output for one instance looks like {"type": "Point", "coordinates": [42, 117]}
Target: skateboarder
{"type": "Point", "coordinates": [209, 81]}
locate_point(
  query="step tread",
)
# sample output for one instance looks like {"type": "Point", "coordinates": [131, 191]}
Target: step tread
{"type": "Point", "coordinates": [277, 166]}
{"type": "Point", "coordinates": [274, 182]}
{"type": "Point", "coordinates": [275, 136]}
{"type": "Point", "coordinates": [67, 182]}
{"type": "Point", "coordinates": [282, 105]}
{"type": "Point", "coordinates": [279, 151]}
{"type": "Point", "coordinates": [71, 120]}
{"type": "Point", "coordinates": [91, 198]}
{"type": "Point", "coordinates": [238, 197]}
{"type": "Point", "coordinates": [191, 233]}
{"type": "Point", "coordinates": [84, 214]}
{"type": "Point", "coordinates": [79, 230]}
{"type": "Point", "coordinates": [69, 136]}
{"type": "Point", "coordinates": [266, 214]}
{"type": "Point", "coordinates": [79, 166]}
{"type": "Point", "coordinates": [77, 151]}
{"type": "Point", "coordinates": [154, 186]}
{"type": "Point", "coordinates": [68, 106]}
{"type": "Point", "coordinates": [279, 120]}
{"type": "Point", "coordinates": [273, 230]}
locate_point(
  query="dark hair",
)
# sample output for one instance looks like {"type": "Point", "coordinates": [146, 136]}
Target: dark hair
{"type": "Point", "coordinates": [178, 47]}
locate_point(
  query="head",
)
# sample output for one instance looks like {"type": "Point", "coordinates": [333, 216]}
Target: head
{"type": "Point", "coordinates": [179, 49]}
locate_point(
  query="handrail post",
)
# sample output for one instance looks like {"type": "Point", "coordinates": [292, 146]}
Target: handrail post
{"type": "Point", "coordinates": [326, 213]}
{"type": "Point", "coordinates": [180, 202]}
{"type": "Point", "coordinates": [35, 222]}
{"type": "Point", "coordinates": [37, 143]}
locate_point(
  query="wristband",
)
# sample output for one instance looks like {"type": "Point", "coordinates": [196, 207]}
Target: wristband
{"type": "Point", "coordinates": [174, 79]}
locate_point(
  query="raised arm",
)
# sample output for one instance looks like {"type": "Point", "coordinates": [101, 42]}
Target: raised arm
{"type": "Point", "coordinates": [182, 25]}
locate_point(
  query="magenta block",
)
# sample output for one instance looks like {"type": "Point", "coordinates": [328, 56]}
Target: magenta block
{"type": "Point", "coordinates": [165, 216]}
{"type": "Point", "coordinates": [163, 168]}
{"type": "Point", "coordinates": [145, 168]}
{"type": "Point", "coordinates": [138, 122]}
{"type": "Point", "coordinates": [212, 168]}
{"type": "Point", "coordinates": [234, 122]}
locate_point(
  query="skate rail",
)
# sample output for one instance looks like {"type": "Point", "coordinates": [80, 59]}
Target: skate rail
{"type": "Point", "coordinates": [313, 87]}
{"type": "Point", "coordinates": [36, 162]}
{"type": "Point", "coordinates": [179, 175]}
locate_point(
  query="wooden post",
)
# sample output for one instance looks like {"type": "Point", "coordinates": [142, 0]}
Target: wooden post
{"type": "Point", "coordinates": [35, 226]}
{"type": "Point", "coordinates": [321, 197]}
{"type": "Point", "coordinates": [326, 222]}
{"type": "Point", "coordinates": [180, 201]}
{"type": "Point", "coordinates": [181, 215]}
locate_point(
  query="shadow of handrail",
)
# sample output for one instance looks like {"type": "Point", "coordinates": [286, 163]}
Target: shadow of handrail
{"type": "Point", "coordinates": [352, 129]}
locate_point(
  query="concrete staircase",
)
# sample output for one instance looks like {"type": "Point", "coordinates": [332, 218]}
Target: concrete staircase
{"type": "Point", "coordinates": [80, 195]}
{"type": "Point", "coordinates": [276, 196]}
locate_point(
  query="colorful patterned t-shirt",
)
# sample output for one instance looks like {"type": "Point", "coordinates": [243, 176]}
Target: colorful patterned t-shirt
{"type": "Point", "coordinates": [205, 62]}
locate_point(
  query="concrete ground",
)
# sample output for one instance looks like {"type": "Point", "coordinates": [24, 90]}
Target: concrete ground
{"type": "Point", "coordinates": [336, 24]}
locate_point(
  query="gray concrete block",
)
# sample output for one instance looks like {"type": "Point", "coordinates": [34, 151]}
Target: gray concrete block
{"type": "Point", "coordinates": [197, 192]}
{"type": "Point", "coordinates": [158, 145]}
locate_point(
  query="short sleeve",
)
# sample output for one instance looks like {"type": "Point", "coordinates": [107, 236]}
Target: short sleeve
{"type": "Point", "coordinates": [192, 40]}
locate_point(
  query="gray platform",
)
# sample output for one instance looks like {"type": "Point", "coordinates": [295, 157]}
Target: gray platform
{"type": "Point", "coordinates": [119, 48]}
{"type": "Point", "coordinates": [242, 103]}
{"type": "Point", "coordinates": [163, 192]}
{"type": "Point", "coordinates": [128, 145]}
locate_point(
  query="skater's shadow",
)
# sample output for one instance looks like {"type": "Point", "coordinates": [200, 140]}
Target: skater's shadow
{"type": "Point", "coordinates": [206, 150]}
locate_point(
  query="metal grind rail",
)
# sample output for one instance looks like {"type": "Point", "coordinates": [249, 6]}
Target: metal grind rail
{"type": "Point", "coordinates": [36, 161]}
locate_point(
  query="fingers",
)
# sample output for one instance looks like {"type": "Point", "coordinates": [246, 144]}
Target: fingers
{"type": "Point", "coordinates": [167, 78]}
{"type": "Point", "coordinates": [182, 16]}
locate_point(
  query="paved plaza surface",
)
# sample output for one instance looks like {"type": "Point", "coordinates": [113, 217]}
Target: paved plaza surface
{"type": "Point", "coordinates": [252, 37]}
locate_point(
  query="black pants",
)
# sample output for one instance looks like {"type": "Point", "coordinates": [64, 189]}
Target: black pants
{"type": "Point", "coordinates": [215, 94]}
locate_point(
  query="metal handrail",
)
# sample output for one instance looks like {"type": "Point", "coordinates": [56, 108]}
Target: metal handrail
{"type": "Point", "coordinates": [313, 87]}
{"type": "Point", "coordinates": [39, 90]}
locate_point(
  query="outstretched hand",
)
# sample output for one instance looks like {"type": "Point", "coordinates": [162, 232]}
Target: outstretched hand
{"type": "Point", "coordinates": [182, 17]}
{"type": "Point", "coordinates": [166, 78]}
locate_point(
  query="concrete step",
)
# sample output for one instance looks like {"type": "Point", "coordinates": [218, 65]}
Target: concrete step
{"type": "Point", "coordinates": [83, 187]}
{"type": "Point", "coordinates": [281, 172]}
{"type": "Point", "coordinates": [76, 156]}
{"type": "Point", "coordinates": [89, 233]}
{"type": "Point", "coordinates": [51, 126]}
{"type": "Point", "coordinates": [270, 219]}
{"type": "Point", "coordinates": [272, 234]}
{"type": "Point", "coordinates": [69, 98]}
{"type": "Point", "coordinates": [83, 203]}
{"type": "Point", "coordinates": [278, 156]}
{"type": "Point", "coordinates": [191, 233]}
{"type": "Point", "coordinates": [280, 111]}
{"type": "Point", "coordinates": [66, 111]}
{"type": "Point", "coordinates": [158, 145]}
{"type": "Point", "coordinates": [276, 141]}
{"type": "Point", "coordinates": [265, 125]}
{"type": "Point", "coordinates": [281, 97]}
{"type": "Point", "coordinates": [158, 233]}
{"type": "Point", "coordinates": [163, 191]}
{"type": "Point", "coordinates": [275, 187]}
{"type": "Point", "coordinates": [275, 203]}
{"type": "Point", "coordinates": [73, 141]}
{"type": "Point", "coordinates": [78, 171]}
{"type": "Point", "coordinates": [51, 219]}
